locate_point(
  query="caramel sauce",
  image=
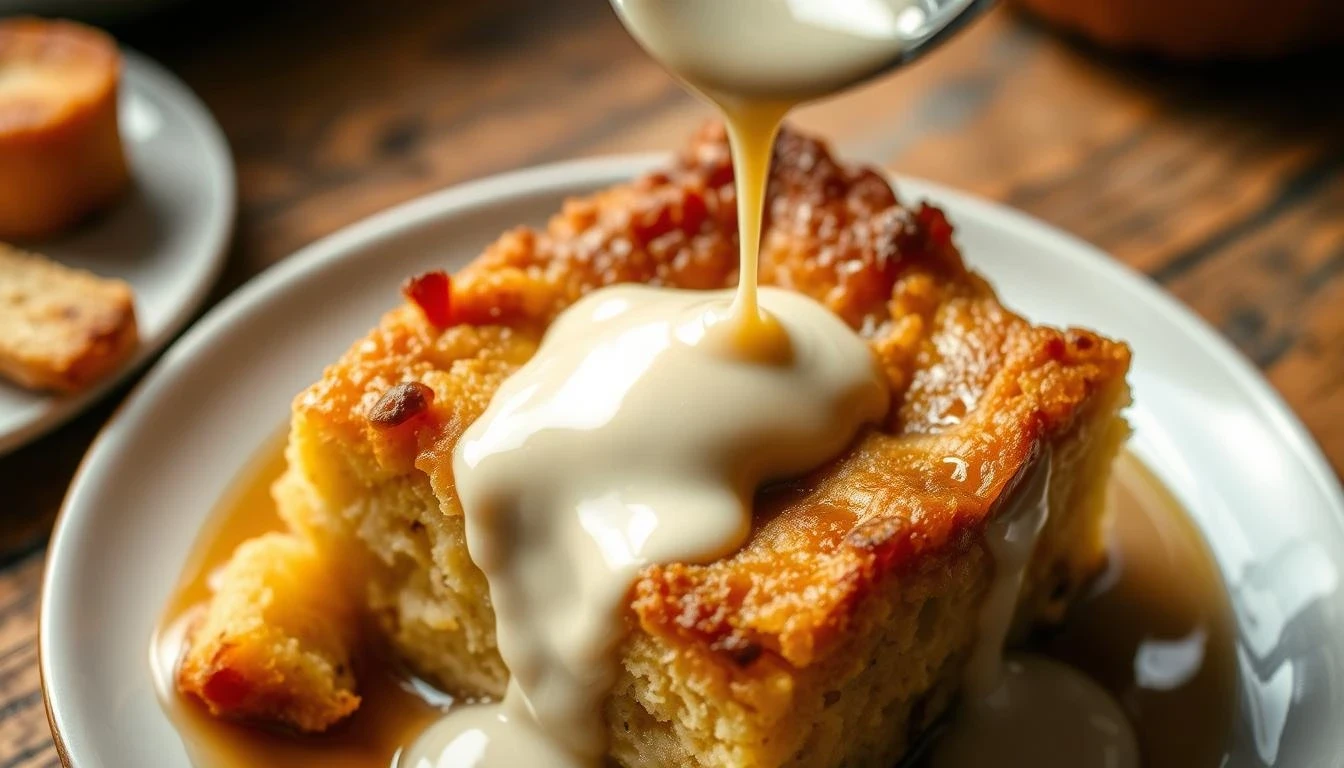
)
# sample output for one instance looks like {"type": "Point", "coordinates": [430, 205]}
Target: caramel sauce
{"type": "Point", "coordinates": [395, 707]}
{"type": "Point", "coordinates": [1156, 632]}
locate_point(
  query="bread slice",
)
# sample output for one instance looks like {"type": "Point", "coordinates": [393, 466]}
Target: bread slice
{"type": "Point", "coordinates": [61, 156]}
{"type": "Point", "coordinates": [838, 633]}
{"type": "Point", "coordinates": [60, 328]}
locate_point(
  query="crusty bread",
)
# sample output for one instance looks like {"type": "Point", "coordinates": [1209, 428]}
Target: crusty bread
{"type": "Point", "coordinates": [61, 156]}
{"type": "Point", "coordinates": [838, 633]}
{"type": "Point", "coordinates": [60, 328]}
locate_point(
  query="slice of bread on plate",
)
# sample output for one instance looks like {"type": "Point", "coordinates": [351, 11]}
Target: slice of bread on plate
{"type": "Point", "coordinates": [61, 329]}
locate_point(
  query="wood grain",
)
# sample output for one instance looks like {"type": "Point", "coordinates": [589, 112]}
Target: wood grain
{"type": "Point", "coordinates": [1226, 184]}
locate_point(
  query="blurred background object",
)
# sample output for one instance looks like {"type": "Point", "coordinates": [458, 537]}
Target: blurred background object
{"type": "Point", "coordinates": [1199, 29]}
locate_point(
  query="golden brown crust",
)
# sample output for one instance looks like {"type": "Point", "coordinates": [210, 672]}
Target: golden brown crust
{"type": "Point", "coordinates": [896, 499]}
{"type": "Point", "coordinates": [978, 390]}
{"type": "Point", "coordinates": [61, 156]}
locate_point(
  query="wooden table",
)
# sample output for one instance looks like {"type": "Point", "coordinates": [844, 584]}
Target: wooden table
{"type": "Point", "coordinates": [1224, 184]}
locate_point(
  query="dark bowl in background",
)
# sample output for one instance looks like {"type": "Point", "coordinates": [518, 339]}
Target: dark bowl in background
{"type": "Point", "coordinates": [1199, 29]}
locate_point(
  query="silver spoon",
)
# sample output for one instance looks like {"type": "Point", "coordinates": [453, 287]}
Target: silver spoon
{"type": "Point", "coordinates": [712, 37]}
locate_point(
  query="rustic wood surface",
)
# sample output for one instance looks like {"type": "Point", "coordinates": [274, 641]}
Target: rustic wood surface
{"type": "Point", "coordinates": [1226, 183]}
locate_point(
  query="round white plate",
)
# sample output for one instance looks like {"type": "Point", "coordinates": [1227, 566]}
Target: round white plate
{"type": "Point", "coordinates": [1204, 420]}
{"type": "Point", "coordinates": [167, 237]}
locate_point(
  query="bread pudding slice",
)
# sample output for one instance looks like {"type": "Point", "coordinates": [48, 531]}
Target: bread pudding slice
{"type": "Point", "coordinates": [838, 633]}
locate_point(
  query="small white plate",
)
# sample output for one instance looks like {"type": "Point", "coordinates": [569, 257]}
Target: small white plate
{"type": "Point", "coordinates": [167, 238]}
{"type": "Point", "coordinates": [1204, 421]}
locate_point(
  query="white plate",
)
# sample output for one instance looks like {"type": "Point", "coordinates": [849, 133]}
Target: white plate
{"type": "Point", "coordinates": [1204, 420]}
{"type": "Point", "coordinates": [167, 238]}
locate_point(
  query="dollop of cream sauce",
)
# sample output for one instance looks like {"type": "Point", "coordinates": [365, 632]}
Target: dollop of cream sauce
{"type": "Point", "coordinates": [638, 434]}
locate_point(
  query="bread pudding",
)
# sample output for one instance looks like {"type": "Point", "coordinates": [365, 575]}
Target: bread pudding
{"type": "Point", "coordinates": [838, 634]}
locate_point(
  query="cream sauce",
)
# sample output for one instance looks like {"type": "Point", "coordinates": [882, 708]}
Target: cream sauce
{"type": "Point", "coordinates": [634, 436]}
{"type": "Point", "coordinates": [1011, 537]}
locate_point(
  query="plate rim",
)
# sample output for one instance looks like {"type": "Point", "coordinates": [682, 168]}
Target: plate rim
{"type": "Point", "coordinates": [215, 249]}
{"type": "Point", "coordinates": [541, 179]}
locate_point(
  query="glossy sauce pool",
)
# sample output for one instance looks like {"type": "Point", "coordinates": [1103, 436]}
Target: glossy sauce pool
{"type": "Point", "coordinates": [1156, 632]}
{"type": "Point", "coordinates": [395, 707]}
